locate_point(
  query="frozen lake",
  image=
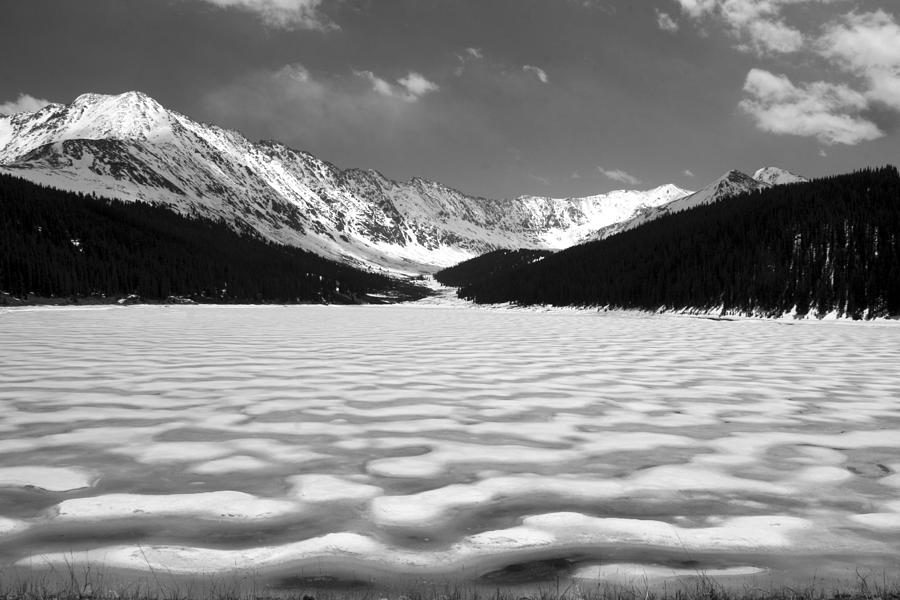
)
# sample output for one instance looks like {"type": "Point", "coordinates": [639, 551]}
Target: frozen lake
{"type": "Point", "coordinates": [436, 441]}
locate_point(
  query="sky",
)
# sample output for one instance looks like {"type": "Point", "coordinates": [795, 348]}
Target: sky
{"type": "Point", "coordinates": [496, 98]}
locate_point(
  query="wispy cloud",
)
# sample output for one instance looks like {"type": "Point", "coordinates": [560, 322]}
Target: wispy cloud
{"type": "Point", "coordinates": [538, 72]}
{"type": "Point", "coordinates": [409, 88]}
{"type": "Point", "coordinates": [665, 22]}
{"type": "Point", "coordinates": [24, 103]}
{"type": "Point", "coordinates": [282, 14]}
{"type": "Point", "coordinates": [601, 5]}
{"type": "Point", "coordinates": [291, 102]}
{"type": "Point", "coordinates": [619, 175]}
{"type": "Point", "coordinates": [466, 56]}
{"type": "Point", "coordinates": [350, 117]}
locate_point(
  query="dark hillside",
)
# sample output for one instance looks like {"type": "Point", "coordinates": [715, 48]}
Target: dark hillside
{"type": "Point", "coordinates": [830, 244]}
{"type": "Point", "coordinates": [59, 244]}
{"type": "Point", "coordinates": [488, 265]}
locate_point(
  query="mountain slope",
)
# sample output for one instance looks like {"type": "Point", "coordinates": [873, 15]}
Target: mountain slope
{"type": "Point", "coordinates": [729, 184]}
{"type": "Point", "coordinates": [826, 246]}
{"type": "Point", "coordinates": [67, 245]}
{"type": "Point", "coordinates": [131, 148]}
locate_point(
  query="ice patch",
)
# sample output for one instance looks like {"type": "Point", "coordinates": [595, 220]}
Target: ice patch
{"type": "Point", "coordinates": [818, 455]}
{"type": "Point", "coordinates": [427, 508]}
{"type": "Point", "coordinates": [11, 526]}
{"type": "Point", "coordinates": [891, 480]}
{"type": "Point", "coordinates": [232, 464]}
{"type": "Point", "coordinates": [322, 488]}
{"type": "Point", "coordinates": [224, 506]}
{"type": "Point", "coordinates": [445, 454]}
{"type": "Point", "coordinates": [737, 533]}
{"type": "Point", "coordinates": [878, 520]}
{"type": "Point", "coordinates": [53, 479]}
{"type": "Point", "coordinates": [824, 475]}
{"type": "Point", "coordinates": [182, 559]}
{"type": "Point", "coordinates": [633, 572]}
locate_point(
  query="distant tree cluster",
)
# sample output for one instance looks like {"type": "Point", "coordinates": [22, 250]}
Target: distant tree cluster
{"type": "Point", "coordinates": [62, 244]}
{"type": "Point", "coordinates": [488, 265]}
{"type": "Point", "coordinates": [828, 245]}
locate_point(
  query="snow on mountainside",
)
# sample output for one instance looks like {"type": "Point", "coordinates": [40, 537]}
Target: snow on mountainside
{"type": "Point", "coordinates": [776, 176]}
{"type": "Point", "coordinates": [729, 184]}
{"type": "Point", "coordinates": [131, 148]}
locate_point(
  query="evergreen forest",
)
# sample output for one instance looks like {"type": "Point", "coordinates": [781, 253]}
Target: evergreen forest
{"type": "Point", "coordinates": [56, 244]}
{"type": "Point", "coordinates": [829, 245]}
{"type": "Point", "coordinates": [488, 265]}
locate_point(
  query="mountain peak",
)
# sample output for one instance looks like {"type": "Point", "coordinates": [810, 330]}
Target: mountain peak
{"type": "Point", "coordinates": [126, 100]}
{"type": "Point", "coordinates": [777, 176]}
{"type": "Point", "coordinates": [734, 175]}
{"type": "Point", "coordinates": [671, 189]}
{"type": "Point", "coordinates": [129, 116]}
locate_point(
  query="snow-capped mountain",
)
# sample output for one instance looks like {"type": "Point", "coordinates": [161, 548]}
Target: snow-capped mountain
{"type": "Point", "coordinates": [729, 184]}
{"type": "Point", "coordinates": [776, 176]}
{"type": "Point", "coordinates": [131, 148]}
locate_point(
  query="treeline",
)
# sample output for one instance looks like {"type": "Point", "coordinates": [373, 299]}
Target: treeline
{"type": "Point", "coordinates": [488, 265]}
{"type": "Point", "coordinates": [60, 244]}
{"type": "Point", "coordinates": [828, 245]}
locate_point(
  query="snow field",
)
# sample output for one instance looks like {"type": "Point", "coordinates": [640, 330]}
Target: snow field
{"type": "Point", "coordinates": [423, 438]}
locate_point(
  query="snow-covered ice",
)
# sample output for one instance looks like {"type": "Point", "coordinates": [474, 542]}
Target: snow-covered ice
{"type": "Point", "coordinates": [54, 479]}
{"type": "Point", "coordinates": [218, 506]}
{"type": "Point", "coordinates": [428, 439]}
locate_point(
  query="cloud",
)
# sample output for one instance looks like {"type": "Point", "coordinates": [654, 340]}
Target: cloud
{"type": "Point", "coordinates": [758, 25]}
{"type": "Point", "coordinates": [468, 55]}
{"type": "Point", "coordinates": [538, 72]}
{"type": "Point", "coordinates": [283, 14]}
{"type": "Point", "coordinates": [378, 84]}
{"type": "Point", "coordinates": [666, 22]}
{"type": "Point", "coordinates": [867, 44]}
{"type": "Point", "coordinates": [619, 175]}
{"type": "Point", "coordinates": [416, 85]}
{"type": "Point", "coordinates": [688, 173]}
{"type": "Point", "coordinates": [291, 102]}
{"type": "Point", "coordinates": [24, 103]}
{"type": "Point", "coordinates": [773, 36]}
{"type": "Point", "coordinates": [601, 5]}
{"type": "Point", "coordinates": [409, 88]}
{"type": "Point", "coordinates": [350, 118]}
{"type": "Point", "coordinates": [826, 111]}
{"type": "Point", "coordinates": [861, 48]}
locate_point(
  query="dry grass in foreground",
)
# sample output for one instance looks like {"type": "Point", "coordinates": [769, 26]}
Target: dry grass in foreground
{"type": "Point", "coordinates": [90, 583]}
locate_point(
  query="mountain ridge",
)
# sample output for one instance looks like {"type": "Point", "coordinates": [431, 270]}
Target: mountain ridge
{"type": "Point", "coordinates": [730, 184]}
{"type": "Point", "coordinates": [131, 148]}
